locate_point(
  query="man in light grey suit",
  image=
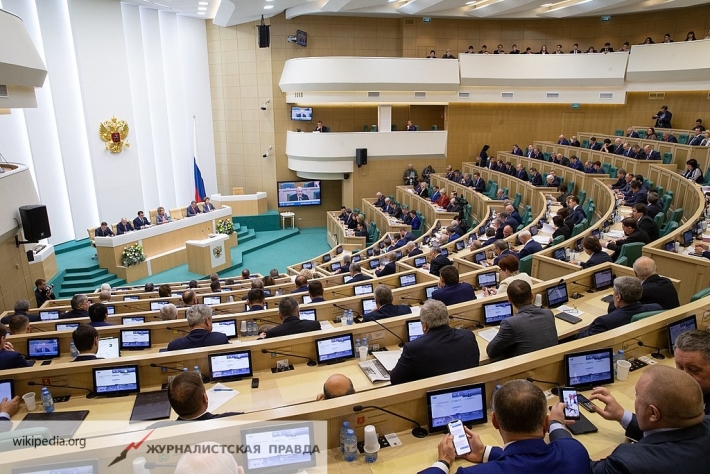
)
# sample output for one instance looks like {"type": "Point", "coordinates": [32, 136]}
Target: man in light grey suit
{"type": "Point", "coordinates": [530, 329]}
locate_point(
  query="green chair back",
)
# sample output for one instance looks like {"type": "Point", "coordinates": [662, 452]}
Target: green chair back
{"type": "Point", "coordinates": [667, 229]}
{"type": "Point", "coordinates": [667, 158]}
{"type": "Point", "coordinates": [639, 316]}
{"type": "Point", "coordinates": [393, 127]}
{"type": "Point", "coordinates": [606, 167]}
{"type": "Point", "coordinates": [667, 198]}
{"type": "Point", "coordinates": [618, 133]}
{"type": "Point", "coordinates": [631, 252]}
{"type": "Point", "coordinates": [658, 219]}
{"type": "Point", "coordinates": [493, 191]}
{"type": "Point", "coordinates": [435, 127]}
{"type": "Point", "coordinates": [373, 128]}
{"type": "Point", "coordinates": [704, 293]}
{"type": "Point", "coordinates": [558, 240]}
{"type": "Point", "coordinates": [577, 229]}
{"type": "Point", "coordinates": [613, 172]}
{"type": "Point", "coordinates": [585, 143]}
{"type": "Point", "coordinates": [642, 133]}
{"type": "Point", "coordinates": [622, 261]}
{"type": "Point", "coordinates": [582, 195]}
{"type": "Point", "coordinates": [570, 186]}
{"type": "Point", "coordinates": [683, 138]}
{"type": "Point", "coordinates": [519, 197]}
{"type": "Point", "coordinates": [525, 265]}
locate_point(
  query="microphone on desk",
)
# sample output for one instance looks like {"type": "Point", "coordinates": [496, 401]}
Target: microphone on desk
{"type": "Point", "coordinates": [417, 432]}
{"type": "Point", "coordinates": [345, 308]}
{"type": "Point", "coordinates": [89, 394]}
{"type": "Point", "coordinates": [153, 364]}
{"type": "Point", "coordinates": [33, 328]}
{"type": "Point", "coordinates": [411, 298]}
{"type": "Point", "coordinates": [589, 288]}
{"type": "Point", "coordinates": [478, 323]}
{"type": "Point", "coordinates": [176, 329]}
{"type": "Point", "coordinates": [401, 341]}
{"type": "Point", "coordinates": [655, 355]}
{"type": "Point", "coordinates": [340, 294]}
{"type": "Point", "coordinates": [555, 390]}
{"type": "Point", "coordinates": [203, 233]}
{"type": "Point", "coordinates": [266, 320]}
{"type": "Point", "coordinates": [311, 362]}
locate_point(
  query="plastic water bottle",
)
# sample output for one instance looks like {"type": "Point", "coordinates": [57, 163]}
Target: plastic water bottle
{"type": "Point", "coordinates": [47, 400]}
{"type": "Point", "coordinates": [365, 344]}
{"type": "Point", "coordinates": [197, 370]}
{"type": "Point", "coordinates": [73, 350]}
{"type": "Point", "coordinates": [350, 446]}
{"type": "Point", "coordinates": [357, 346]}
{"type": "Point", "coordinates": [343, 433]}
{"type": "Point", "coordinates": [350, 317]}
{"type": "Point", "coordinates": [493, 397]}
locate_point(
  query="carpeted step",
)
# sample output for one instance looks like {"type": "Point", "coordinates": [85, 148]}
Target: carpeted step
{"type": "Point", "coordinates": [85, 276]}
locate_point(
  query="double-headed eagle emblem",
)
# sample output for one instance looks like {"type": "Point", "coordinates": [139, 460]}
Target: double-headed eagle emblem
{"type": "Point", "coordinates": [114, 132]}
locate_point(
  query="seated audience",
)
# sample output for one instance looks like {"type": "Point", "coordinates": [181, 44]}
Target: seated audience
{"type": "Point", "coordinates": [592, 247]}
{"type": "Point", "coordinates": [207, 206]}
{"type": "Point", "coordinates": [149, 287]}
{"type": "Point", "coordinates": [509, 272]}
{"type": "Point", "coordinates": [9, 359]}
{"type": "Point", "coordinates": [656, 289]}
{"type": "Point", "coordinates": [561, 228]}
{"type": "Point", "coordinates": [199, 319]}
{"type": "Point", "coordinates": [451, 291]}
{"type": "Point", "coordinates": [437, 261]}
{"type": "Point", "coordinates": [79, 307]}
{"type": "Point", "coordinates": [189, 298]}
{"type": "Point", "coordinates": [384, 306]}
{"type": "Point", "coordinates": [500, 249]}
{"type": "Point", "coordinates": [86, 340]}
{"type": "Point", "coordinates": [290, 321]}
{"type": "Point", "coordinates": [168, 312]}
{"type": "Point", "coordinates": [21, 307]}
{"type": "Point", "coordinates": [19, 324]}
{"type": "Point", "coordinates": [644, 221]}
{"type": "Point", "coordinates": [124, 226]}
{"type": "Point", "coordinates": [390, 268]}
{"type": "Point", "coordinates": [530, 246]}
{"type": "Point", "coordinates": [141, 221]}
{"type": "Point", "coordinates": [692, 355]}
{"type": "Point", "coordinates": [653, 207]}
{"type": "Point", "coordinates": [161, 217]}
{"type": "Point", "coordinates": [98, 313]}
{"type": "Point", "coordinates": [193, 209]}
{"type": "Point", "coordinates": [301, 284]}
{"type": "Point", "coordinates": [188, 398]}
{"type": "Point", "coordinates": [356, 273]}
{"type": "Point", "coordinates": [255, 299]}
{"type": "Point", "coordinates": [315, 291]}
{"type": "Point", "coordinates": [215, 286]}
{"type": "Point", "coordinates": [633, 235]}
{"type": "Point", "coordinates": [103, 231]}
{"type": "Point", "coordinates": [337, 385]}
{"type": "Point", "coordinates": [164, 291]}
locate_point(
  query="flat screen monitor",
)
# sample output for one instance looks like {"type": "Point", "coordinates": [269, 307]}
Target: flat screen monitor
{"type": "Point", "coordinates": [355, 258]}
{"type": "Point", "coordinates": [374, 264]}
{"type": "Point", "coordinates": [132, 320]}
{"type": "Point", "coordinates": [156, 305]}
{"type": "Point", "coordinates": [210, 300]}
{"type": "Point", "coordinates": [427, 238]}
{"type": "Point", "coordinates": [370, 252]}
{"type": "Point", "coordinates": [116, 381]}
{"type": "Point", "coordinates": [687, 238]}
{"type": "Point", "coordinates": [308, 265]}
{"type": "Point", "coordinates": [301, 38]}
{"type": "Point", "coordinates": [309, 314]}
{"type": "Point", "coordinates": [135, 339]}
{"type": "Point", "coordinates": [445, 252]}
{"type": "Point", "coordinates": [335, 266]}
{"type": "Point", "coordinates": [430, 291]}
{"type": "Point", "coordinates": [589, 368]}
{"type": "Point", "coordinates": [302, 114]}
{"type": "Point", "coordinates": [7, 389]}
{"type": "Point", "coordinates": [670, 246]}
{"type": "Point", "coordinates": [177, 294]}
{"type": "Point", "coordinates": [131, 298]}
{"type": "Point", "coordinates": [578, 245]}
{"type": "Point", "coordinates": [596, 234]}
{"type": "Point", "coordinates": [43, 348]}
{"type": "Point", "coordinates": [307, 299]}
{"type": "Point", "coordinates": [560, 254]}
{"type": "Point", "coordinates": [557, 295]}
{"type": "Point", "coordinates": [460, 245]}
{"type": "Point", "coordinates": [368, 305]}
{"type": "Point", "coordinates": [48, 315]}
{"type": "Point", "coordinates": [109, 348]}
{"type": "Point", "coordinates": [603, 279]}
{"type": "Point", "coordinates": [419, 261]}
{"type": "Point", "coordinates": [228, 327]}
{"type": "Point", "coordinates": [66, 326]}
{"type": "Point", "coordinates": [679, 327]}
{"type": "Point", "coordinates": [347, 278]}
{"type": "Point", "coordinates": [480, 257]}
{"type": "Point", "coordinates": [398, 254]}
{"type": "Point", "coordinates": [267, 292]}
{"type": "Point", "coordinates": [494, 313]}
{"type": "Point", "coordinates": [407, 280]}
{"type": "Point", "coordinates": [230, 365]}
{"type": "Point", "coordinates": [330, 350]}
{"type": "Point", "coordinates": [488, 279]}
{"type": "Point", "coordinates": [363, 289]}
{"type": "Point", "coordinates": [327, 258]}
{"type": "Point", "coordinates": [299, 193]}
{"type": "Point", "coordinates": [414, 330]}
{"type": "Point", "coordinates": [339, 249]}
{"type": "Point", "coordinates": [466, 403]}
{"type": "Point", "coordinates": [84, 466]}
{"type": "Point", "coordinates": [290, 438]}
{"type": "Point", "coordinates": [110, 309]}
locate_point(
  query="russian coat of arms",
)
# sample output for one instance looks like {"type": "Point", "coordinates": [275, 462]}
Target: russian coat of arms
{"type": "Point", "coordinates": [115, 133]}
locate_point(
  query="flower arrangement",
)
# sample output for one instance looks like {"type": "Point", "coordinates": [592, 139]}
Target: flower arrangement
{"type": "Point", "coordinates": [132, 255]}
{"type": "Point", "coordinates": [225, 226]}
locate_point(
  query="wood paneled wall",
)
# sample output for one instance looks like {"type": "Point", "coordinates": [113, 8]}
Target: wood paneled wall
{"type": "Point", "coordinates": [15, 278]}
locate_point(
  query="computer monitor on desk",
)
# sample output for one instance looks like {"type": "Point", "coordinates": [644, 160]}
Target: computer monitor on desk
{"type": "Point", "coordinates": [687, 238]}
{"type": "Point", "coordinates": [309, 314]}
{"type": "Point", "coordinates": [228, 327]}
{"type": "Point", "coordinates": [494, 313]}
{"type": "Point", "coordinates": [135, 339]}
{"type": "Point", "coordinates": [43, 348]}
{"type": "Point", "coordinates": [230, 366]}
{"type": "Point", "coordinates": [132, 320]}
{"type": "Point", "coordinates": [156, 305]}
{"type": "Point", "coordinates": [109, 348]}
{"type": "Point", "coordinates": [289, 437]}
{"type": "Point", "coordinates": [368, 305]}
{"type": "Point", "coordinates": [589, 368]}
{"type": "Point", "coordinates": [414, 330]}
{"type": "Point", "coordinates": [116, 381]}
{"type": "Point", "coordinates": [210, 300]}
{"type": "Point", "coordinates": [363, 289]}
{"type": "Point", "coordinates": [466, 403]}
{"type": "Point", "coordinates": [679, 327]}
{"type": "Point", "coordinates": [48, 315]}
{"type": "Point", "coordinates": [557, 295]}
{"type": "Point", "coordinates": [407, 280]}
{"type": "Point", "coordinates": [131, 298]}
{"type": "Point", "coordinates": [330, 350]}
{"type": "Point", "coordinates": [603, 279]}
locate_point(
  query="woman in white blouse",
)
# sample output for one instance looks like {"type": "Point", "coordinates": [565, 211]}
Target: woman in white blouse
{"type": "Point", "coordinates": [508, 273]}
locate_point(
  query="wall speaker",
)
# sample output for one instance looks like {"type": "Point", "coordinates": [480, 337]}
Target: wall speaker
{"type": "Point", "coordinates": [361, 156]}
{"type": "Point", "coordinates": [35, 222]}
{"type": "Point", "coordinates": [30, 256]}
{"type": "Point", "coordinates": [264, 36]}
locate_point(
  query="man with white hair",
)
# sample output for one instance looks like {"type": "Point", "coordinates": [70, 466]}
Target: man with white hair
{"type": "Point", "coordinates": [208, 457]}
{"type": "Point", "coordinates": [168, 312]}
{"type": "Point", "coordinates": [104, 296]}
{"type": "Point", "coordinates": [656, 289]}
{"type": "Point", "coordinates": [199, 318]}
{"type": "Point", "coordinates": [530, 246]}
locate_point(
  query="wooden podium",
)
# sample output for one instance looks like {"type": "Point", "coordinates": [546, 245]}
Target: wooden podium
{"type": "Point", "coordinates": [209, 255]}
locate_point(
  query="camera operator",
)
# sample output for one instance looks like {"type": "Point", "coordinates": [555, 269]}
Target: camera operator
{"type": "Point", "coordinates": [43, 292]}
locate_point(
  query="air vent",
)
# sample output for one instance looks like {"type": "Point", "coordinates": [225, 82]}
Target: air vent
{"type": "Point", "coordinates": [408, 22]}
{"type": "Point", "coordinates": [553, 95]}
{"type": "Point", "coordinates": [373, 94]}
{"type": "Point", "coordinates": [507, 95]}
{"type": "Point", "coordinates": [3, 91]}
{"type": "Point", "coordinates": [656, 95]}
{"type": "Point", "coordinates": [606, 95]}
{"type": "Point", "coordinates": [708, 95]}
{"type": "Point", "coordinates": [298, 95]}
{"type": "Point", "coordinates": [464, 95]}
{"type": "Point", "coordinates": [420, 95]}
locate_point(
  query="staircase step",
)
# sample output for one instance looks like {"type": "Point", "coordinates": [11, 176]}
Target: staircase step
{"type": "Point", "coordinates": [83, 269]}
{"type": "Point", "coordinates": [92, 283]}
{"type": "Point", "coordinates": [83, 276]}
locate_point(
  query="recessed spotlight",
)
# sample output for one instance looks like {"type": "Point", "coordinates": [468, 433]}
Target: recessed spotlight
{"type": "Point", "coordinates": [268, 7]}
{"type": "Point", "coordinates": [202, 3]}
{"type": "Point", "coordinates": [202, 8]}
{"type": "Point", "coordinates": [471, 3]}
{"type": "Point", "coordinates": [200, 13]}
{"type": "Point", "coordinates": [545, 5]}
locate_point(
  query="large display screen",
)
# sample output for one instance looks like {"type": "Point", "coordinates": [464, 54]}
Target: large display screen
{"type": "Point", "coordinates": [299, 193]}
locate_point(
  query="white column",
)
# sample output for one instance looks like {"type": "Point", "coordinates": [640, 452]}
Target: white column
{"type": "Point", "coordinates": [384, 118]}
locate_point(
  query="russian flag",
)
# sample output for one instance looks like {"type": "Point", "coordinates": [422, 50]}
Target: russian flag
{"type": "Point", "coordinates": [199, 182]}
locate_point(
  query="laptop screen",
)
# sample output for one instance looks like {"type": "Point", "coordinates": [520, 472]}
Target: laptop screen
{"type": "Point", "coordinates": [494, 313]}
{"type": "Point", "coordinates": [131, 298]}
{"type": "Point", "coordinates": [113, 381]}
{"type": "Point", "coordinates": [335, 266]}
{"type": "Point", "coordinates": [135, 339]}
{"type": "Point", "coordinates": [430, 291]}
{"type": "Point", "coordinates": [679, 327]}
{"type": "Point", "coordinates": [347, 278]}
{"type": "Point", "coordinates": [108, 348]}
{"type": "Point", "coordinates": [307, 299]}
{"type": "Point", "coordinates": [414, 330]}
{"type": "Point", "coordinates": [45, 348]}
{"type": "Point", "coordinates": [445, 252]}
{"type": "Point", "coordinates": [670, 246]}
{"type": "Point", "coordinates": [339, 249]}
{"type": "Point", "coordinates": [230, 365]}
{"type": "Point", "coordinates": [289, 437]}
{"type": "Point", "coordinates": [132, 320]}
{"type": "Point", "coordinates": [419, 261]}
{"type": "Point", "coordinates": [603, 279]}
{"type": "Point", "coordinates": [48, 315]}
{"type": "Point", "coordinates": [368, 305]}
{"type": "Point", "coordinates": [487, 279]}
{"type": "Point", "coordinates": [589, 368]}
{"type": "Point", "coordinates": [370, 252]}
{"type": "Point", "coordinates": [557, 295]}
{"type": "Point", "coordinates": [374, 264]}
{"type": "Point", "coordinates": [363, 289]}
{"type": "Point", "coordinates": [407, 280]}
{"type": "Point", "coordinates": [66, 327]}
{"type": "Point", "coordinates": [156, 305]}
{"type": "Point", "coordinates": [210, 300]}
{"type": "Point", "coordinates": [466, 403]}
{"type": "Point", "coordinates": [308, 314]}
{"type": "Point", "coordinates": [308, 265]}
{"type": "Point", "coordinates": [355, 258]}
{"type": "Point", "coordinates": [334, 349]}
{"type": "Point", "coordinates": [228, 327]}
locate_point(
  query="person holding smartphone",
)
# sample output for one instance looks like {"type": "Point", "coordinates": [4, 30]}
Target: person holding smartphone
{"type": "Point", "coordinates": [520, 414]}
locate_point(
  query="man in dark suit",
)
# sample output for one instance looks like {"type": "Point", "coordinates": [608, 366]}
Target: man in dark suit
{"type": "Point", "coordinates": [199, 319]}
{"type": "Point", "coordinates": [290, 321]}
{"type": "Point", "coordinates": [315, 291]}
{"type": "Point", "coordinates": [380, 202]}
{"type": "Point", "coordinates": [516, 150]}
{"type": "Point", "coordinates": [669, 137]}
{"type": "Point", "coordinates": [520, 172]}
{"type": "Point", "coordinates": [193, 209]}
{"type": "Point", "coordinates": [522, 420]}
{"type": "Point", "coordinates": [451, 291]}
{"type": "Point", "coordinates": [575, 164]}
{"type": "Point", "coordinates": [653, 207]}
{"type": "Point", "coordinates": [490, 237]}
{"type": "Point", "coordinates": [124, 226]}
{"type": "Point", "coordinates": [594, 145]}
{"type": "Point", "coordinates": [627, 293]}
{"type": "Point", "coordinates": [255, 299]}
{"type": "Point", "coordinates": [697, 139]}
{"type": "Point", "coordinates": [633, 235]}
{"type": "Point", "coordinates": [140, 221]}
{"type": "Point", "coordinates": [103, 231]}
{"type": "Point", "coordinates": [561, 228]}
{"type": "Point", "coordinates": [21, 308]}
{"type": "Point", "coordinates": [577, 215]}
{"type": "Point", "coordinates": [670, 424]}
{"type": "Point", "coordinates": [437, 261]}
{"type": "Point", "coordinates": [388, 208]}
{"type": "Point", "coordinates": [638, 194]}
{"type": "Point", "coordinates": [479, 184]}
{"type": "Point", "coordinates": [663, 118]}
{"type": "Point", "coordinates": [631, 133]}
{"type": "Point", "coordinates": [385, 308]}
{"type": "Point", "coordinates": [79, 307]}
{"type": "Point", "coordinates": [437, 194]}
{"type": "Point", "coordinates": [98, 313]}
{"type": "Point", "coordinates": [692, 355]}
{"type": "Point", "coordinates": [301, 283]}
{"type": "Point", "coordinates": [390, 268]}
{"type": "Point", "coordinates": [441, 350]}
{"type": "Point", "coordinates": [531, 328]}
{"type": "Point", "coordinates": [651, 154]}
{"type": "Point", "coordinates": [9, 359]}
{"type": "Point", "coordinates": [656, 289]}
{"type": "Point", "coordinates": [423, 190]}
{"type": "Point", "coordinates": [562, 141]}
{"type": "Point", "coordinates": [188, 398]}
{"type": "Point", "coordinates": [644, 221]}
{"type": "Point", "coordinates": [535, 178]}
{"type": "Point", "coordinates": [299, 196]}
{"type": "Point", "coordinates": [500, 249]}
{"type": "Point", "coordinates": [412, 249]}
{"type": "Point", "coordinates": [356, 273]}
{"type": "Point", "coordinates": [86, 340]}
{"type": "Point", "coordinates": [530, 246]}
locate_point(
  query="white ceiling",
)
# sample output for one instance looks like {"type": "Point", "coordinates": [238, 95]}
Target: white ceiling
{"type": "Point", "coordinates": [234, 12]}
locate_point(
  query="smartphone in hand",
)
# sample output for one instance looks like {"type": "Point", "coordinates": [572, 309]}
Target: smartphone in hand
{"type": "Point", "coordinates": [460, 440]}
{"type": "Point", "coordinates": [568, 396]}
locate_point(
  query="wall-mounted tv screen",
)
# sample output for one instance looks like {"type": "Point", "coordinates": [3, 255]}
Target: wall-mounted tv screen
{"type": "Point", "coordinates": [303, 114]}
{"type": "Point", "coordinates": [301, 38]}
{"type": "Point", "coordinates": [299, 193]}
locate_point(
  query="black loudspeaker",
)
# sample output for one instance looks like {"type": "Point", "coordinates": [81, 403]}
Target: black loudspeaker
{"type": "Point", "coordinates": [30, 256]}
{"type": "Point", "coordinates": [361, 156]}
{"type": "Point", "coordinates": [264, 36]}
{"type": "Point", "coordinates": [35, 222]}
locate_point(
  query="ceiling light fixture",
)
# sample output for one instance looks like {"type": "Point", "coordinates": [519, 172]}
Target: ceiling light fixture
{"type": "Point", "coordinates": [202, 9]}
{"type": "Point", "coordinates": [471, 3]}
{"type": "Point", "coordinates": [200, 13]}
{"type": "Point", "coordinates": [202, 3]}
{"type": "Point", "coordinates": [268, 7]}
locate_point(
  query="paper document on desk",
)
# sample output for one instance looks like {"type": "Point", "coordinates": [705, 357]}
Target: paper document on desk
{"type": "Point", "coordinates": [542, 239]}
{"type": "Point", "coordinates": [488, 334]}
{"type": "Point", "coordinates": [615, 234]}
{"type": "Point", "coordinates": [388, 359]}
{"type": "Point", "coordinates": [325, 325]}
{"type": "Point", "coordinates": [416, 310]}
{"type": "Point", "coordinates": [547, 228]}
{"type": "Point", "coordinates": [219, 395]}
{"type": "Point", "coordinates": [570, 310]}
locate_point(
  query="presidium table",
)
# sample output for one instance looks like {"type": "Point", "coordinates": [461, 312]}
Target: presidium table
{"type": "Point", "coordinates": [164, 246]}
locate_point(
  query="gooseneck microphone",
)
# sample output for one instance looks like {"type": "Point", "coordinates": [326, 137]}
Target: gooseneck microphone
{"type": "Point", "coordinates": [555, 391]}
{"type": "Point", "coordinates": [401, 341]}
{"type": "Point", "coordinates": [589, 288]}
{"type": "Point", "coordinates": [34, 328]}
{"type": "Point", "coordinates": [89, 392]}
{"type": "Point", "coordinates": [170, 328]}
{"type": "Point", "coordinates": [168, 368]}
{"type": "Point", "coordinates": [417, 432]}
{"type": "Point", "coordinates": [334, 293]}
{"type": "Point", "coordinates": [476, 321]}
{"type": "Point", "coordinates": [345, 308]}
{"type": "Point", "coordinates": [311, 362]}
{"type": "Point", "coordinates": [655, 355]}
{"type": "Point", "coordinates": [411, 298]}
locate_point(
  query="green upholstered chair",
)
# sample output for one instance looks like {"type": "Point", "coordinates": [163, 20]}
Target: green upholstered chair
{"type": "Point", "coordinates": [704, 293]}
{"type": "Point", "coordinates": [631, 252]}
{"type": "Point", "coordinates": [647, 314]}
{"type": "Point", "coordinates": [525, 265]}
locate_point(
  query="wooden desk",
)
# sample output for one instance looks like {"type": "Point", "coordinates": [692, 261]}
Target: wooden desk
{"type": "Point", "coordinates": [339, 234]}
{"type": "Point", "coordinates": [243, 204]}
{"type": "Point", "coordinates": [210, 255]}
{"type": "Point", "coordinates": [387, 224]}
{"type": "Point", "coordinates": [405, 195]}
